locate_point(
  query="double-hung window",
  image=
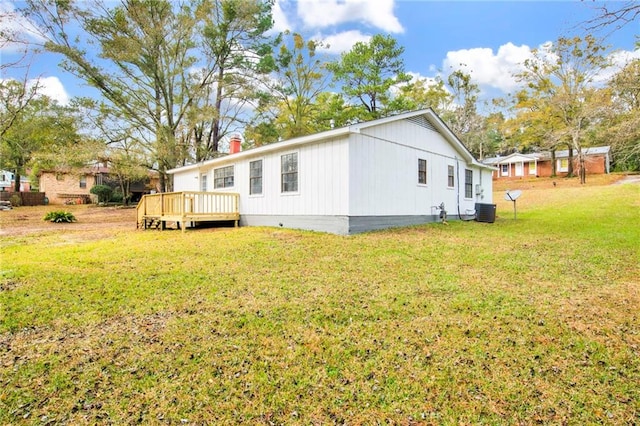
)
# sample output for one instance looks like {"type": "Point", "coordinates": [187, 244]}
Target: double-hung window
{"type": "Point", "coordinates": [255, 177]}
{"type": "Point", "coordinates": [468, 183]}
{"type": "Point", "coordinates": [563, 164]}
{"type": "Point", "coordinates": [450, 177]}
{"type": "Point", "coordinates": [422, 171]}
{"type": "Point", "coordinates": [83, 181]}
{"type": "Point", "coordinates": [203, 182]}
{"type": "Point", "coordinates": [289, 172]}
{"type": "Point", "coordinates": [223, 177]}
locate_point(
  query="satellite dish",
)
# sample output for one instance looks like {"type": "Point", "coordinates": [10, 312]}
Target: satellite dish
{"type": "Point", "coordinates": [512, 195]}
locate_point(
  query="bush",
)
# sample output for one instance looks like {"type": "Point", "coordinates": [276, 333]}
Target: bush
{"type": "Point", "coordinates": [16, 200]}
{"type": "Point", "coordinates": [59, 217]}
{"type": "Point", "coordinates": [116, 197]}
{"type": "Point", "coordinates": [103, 192]}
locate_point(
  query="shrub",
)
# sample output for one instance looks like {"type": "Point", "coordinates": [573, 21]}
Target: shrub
{"type": "Point", "coordinates": [16, 200]}
{"type": "Point", "coordinates": [116, 197]}
{"type": "Point", "coordinates": [103, 192]}
{"type": "Point", "coordinates": [59, 216]}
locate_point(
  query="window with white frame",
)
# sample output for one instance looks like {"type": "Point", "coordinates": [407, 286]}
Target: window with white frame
{"type": "Point", "coordinates": [255, 177]}
{"type": "Point", "coordinates": [422, 171]}
{"type": "Point", "coordinates": [203, 182]}
{"type": "Point", "coordinates": [223, 177]}
{"type": "Point", "coordinates": [563, 164]}
{"type": "Point", "coordinates": [450, 177]}
{"type": "Point", "coordinates": [504, 169]}
{"type": "Point", "coordinates": [83, 181]}
{"type": "Point", "coordinates": [468, 183]}
{"type": "Point", "coordinates": [533, 168]}
{"type": "Point", "coordinates": [289, 172]}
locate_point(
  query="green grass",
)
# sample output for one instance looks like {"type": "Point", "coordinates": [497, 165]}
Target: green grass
{"type": "Point", "coordinates": [535, 320]}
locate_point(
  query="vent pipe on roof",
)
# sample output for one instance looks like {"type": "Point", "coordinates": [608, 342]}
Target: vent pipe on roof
{"type": "Point", "coordinates": [235, 144]}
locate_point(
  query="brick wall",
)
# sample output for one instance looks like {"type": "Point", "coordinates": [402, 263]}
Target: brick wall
{"type": "Point", "coordinates": [65, 186]}
{"type": "Point", "coordinates": [595, 164]}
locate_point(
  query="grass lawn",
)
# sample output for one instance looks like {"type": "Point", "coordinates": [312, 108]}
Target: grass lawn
{"type": "Point", "coordinates": [534, 320]}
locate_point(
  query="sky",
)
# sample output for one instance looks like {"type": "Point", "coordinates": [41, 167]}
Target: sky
{"type": "Point", "coordinates": [487, 39]}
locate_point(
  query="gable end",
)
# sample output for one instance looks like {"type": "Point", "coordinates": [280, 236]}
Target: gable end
{"type": "Point", "coordinates": [422, 121]}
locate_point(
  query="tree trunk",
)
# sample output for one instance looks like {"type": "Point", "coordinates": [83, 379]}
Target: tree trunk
{"type": "Point", "coordinates": [570, 162]}
{"type": "Point", "coordinates": [16, 181]}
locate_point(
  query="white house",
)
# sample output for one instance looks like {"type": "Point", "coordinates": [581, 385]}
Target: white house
{"type": "Point", "coordinates": [389, 172]}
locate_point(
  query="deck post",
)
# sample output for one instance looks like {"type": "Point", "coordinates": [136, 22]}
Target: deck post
{"type": "Point", "coordinates": [184, 213]}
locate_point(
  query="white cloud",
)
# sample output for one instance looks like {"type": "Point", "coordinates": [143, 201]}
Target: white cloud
{"type": "Point", "coordinates": [51, 87]}
{"type": "Point", "coordinates": [619, 60]}
{"type": "Point", "coordinates": [342, 42]}
{"type": "Point", "coordinates": [495, 70]}
{"type": "Point", "coordinates": [18, 32]}
{"type": "Point", "coordinates": [327, 13]}
{"type": "Point", "coordinates": [280, 21]}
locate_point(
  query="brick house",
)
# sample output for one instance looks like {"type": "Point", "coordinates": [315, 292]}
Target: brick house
{"type": "Point", "coordinates": [65, 187]}
{"type": "Point", "coordinates": [539, 164]}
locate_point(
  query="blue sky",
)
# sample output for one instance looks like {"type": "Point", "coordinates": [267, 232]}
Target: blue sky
{"type": "Point", "coordinates": [491, 39]}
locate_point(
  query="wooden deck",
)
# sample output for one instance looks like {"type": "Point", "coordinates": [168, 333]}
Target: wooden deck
{"type": "Point", "coordinates": [183, 208]}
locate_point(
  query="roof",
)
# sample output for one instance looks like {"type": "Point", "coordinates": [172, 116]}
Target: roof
{"type": "Point", "coordinates": [541, 156]}
{"type": "Point", "coordinates": [511, 158]}
{"type": "Point", "coordinates": [596, 150]}
{"type": "Point", "coordinates": [329, 135]}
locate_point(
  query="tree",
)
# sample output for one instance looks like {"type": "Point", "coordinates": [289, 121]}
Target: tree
{"type": "Point", "coordinates": [146, 51]}
{"type": "Point", "coordinates": [560, 81]}
{"type": "Point", "coordinates": [288, 106]}
{"type": "Point", "coordinates": [40, 134]}
{"type": "Point", "coordinates": [368, 72]}
{"type": "Point", "coordinates": [238, 52]}
{"type": "Point", "coordinates": [15, 97]}
{"type": "Point", "coordinates": [622, 128]}
{"type": "Point", "coordinates": [620, 15]}
{"type": "Point", "coordinates": [422, 94]}
{"type": "Point", "coordinates": [461, 114]}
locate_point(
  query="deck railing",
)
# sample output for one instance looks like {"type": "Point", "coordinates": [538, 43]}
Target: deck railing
{"type": "Point", "coordinates": [189, 206]}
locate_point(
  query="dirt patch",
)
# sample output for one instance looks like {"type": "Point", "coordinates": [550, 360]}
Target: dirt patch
{"type": "Point", "coordinates": [29, 220]}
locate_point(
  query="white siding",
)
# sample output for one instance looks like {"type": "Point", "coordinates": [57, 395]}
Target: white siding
{"type": "Point", "coordinates": [186, 181]}
{"type": "Point", "coordinates": [322, 181]}
{"type": "Point", "coordinates": [384, 172]}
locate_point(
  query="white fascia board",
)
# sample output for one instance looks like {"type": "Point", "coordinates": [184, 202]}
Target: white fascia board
{"type": "Point", "coordinates": [277, 146]}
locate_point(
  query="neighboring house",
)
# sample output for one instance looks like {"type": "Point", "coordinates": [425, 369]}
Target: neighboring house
{"type": "Point", "coordinates": [389, 172]}
{"type": "Point", "coordinates": [74, 186]}
{"type": "Point", "coordinates": [7, 182]}
{"type": "Point", "coordinates": [597, 161]}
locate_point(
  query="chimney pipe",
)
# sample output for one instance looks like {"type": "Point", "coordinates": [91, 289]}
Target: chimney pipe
{"type": "Point", "coordinates": [235, 144]}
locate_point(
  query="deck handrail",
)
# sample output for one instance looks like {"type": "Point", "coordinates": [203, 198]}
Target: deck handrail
{"type": "Point", "coordinates": [183, 204]}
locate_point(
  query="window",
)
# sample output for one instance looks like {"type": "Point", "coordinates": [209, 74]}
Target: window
{"type": "Point", "coordinates": [289, 172]}
{"type": "Point", "coordinates": [563, 165]}
{"type": "Point", "coordinates": [422, 171]}
{"type": "Point", "coordinates": [59, 177]}
{"type": "Point", "coordinates": [223, 177]}
{"type": "Point", "coordinates": [83, 181]}
{"type": "Point", "coordinates": [255, 177]}
{"type": "Point", "coordinates": [450, 179]}
{"type": "Point", "coordinates": [203, 183]}
{"type": "Point", "coordinates": [468, 183]}
{"type": "Point", "coordinates": [533, 166]}
{"type": "Point", "coordinates": [504, 169]}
